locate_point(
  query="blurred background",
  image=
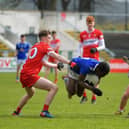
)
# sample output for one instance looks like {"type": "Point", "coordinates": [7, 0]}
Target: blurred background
{"type": "Point", "coordinates": [68, 18]}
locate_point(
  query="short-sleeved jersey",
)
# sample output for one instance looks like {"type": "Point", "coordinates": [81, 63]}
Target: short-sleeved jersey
{"type": "Point", "coordinates": [36, 54]}
{"type": "Point", "coordinates": [90, 40]}
{"type": "Point", "coordinates": [54, 44]}
{"type": "Point", "coordinates": [86, 65]}
{"type": "Point", "coordinates": [22, 50]}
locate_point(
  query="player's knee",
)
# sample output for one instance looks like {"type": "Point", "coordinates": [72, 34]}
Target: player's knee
{"type": "Point", "coordinates": [55, 88]}
{"type": "Point", "coordinates": [31, 94]}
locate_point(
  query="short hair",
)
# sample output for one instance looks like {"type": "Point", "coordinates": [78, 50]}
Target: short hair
{"type": "Point", "coordinates": [53, 32]}
{"type": "Point", "coordinates": [104, 68]}
{"type": "Point", "coordinates": [49, 32]}
{"type": "Point", "coordinates": [43, 33]}
{"type": "Point", "coordinates": [22, 35]}
{"type": "Point", "coordinates": [90, 19]}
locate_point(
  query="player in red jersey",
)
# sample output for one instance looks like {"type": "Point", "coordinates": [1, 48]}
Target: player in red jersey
{"type": "Point", "coordinates": [125, 96]}
{"type": "Point", "coordinates": [30, 79]}
{"type": "Point", "coordinates": [91, 42]}
{"type": "Point", "coordinates": [55, 44]}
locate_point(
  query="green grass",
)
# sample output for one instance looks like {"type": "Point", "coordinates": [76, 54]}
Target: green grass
{"type": "Point", "coordinates": [69, 114]}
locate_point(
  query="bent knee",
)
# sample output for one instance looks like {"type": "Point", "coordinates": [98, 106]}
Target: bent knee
{"type": "Point", "coordinates": [31, 94]}
{"type": "Point", "coordinates": [55, 88]}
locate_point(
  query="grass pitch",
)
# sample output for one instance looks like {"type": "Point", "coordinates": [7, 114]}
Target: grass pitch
{"type": "Point", "coordinates": [69, 114]}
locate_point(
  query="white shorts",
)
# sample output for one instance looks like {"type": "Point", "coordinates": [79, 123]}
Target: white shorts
{"type": "Point", "coordinates": [19, 61]}
{"type": "Point", "coordinates": [72, 74]}
{"type": "Point", "coordinates": [90, 78]}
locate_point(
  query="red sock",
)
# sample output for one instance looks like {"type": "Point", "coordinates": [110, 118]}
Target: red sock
{"type": "Point", "coordinates": [84, 94]}
{"type": "Point", "coordinates": [121, 108]}
{"type": "Point", "coordinates": [45, 107]}
{"type": "Point", "coordinates": [93, 97]}
{"type": "Point", "coordinates": [18, 109]}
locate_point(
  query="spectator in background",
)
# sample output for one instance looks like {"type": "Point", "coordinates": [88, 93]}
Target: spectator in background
{"type": "Point", "coordinates": [125, 96]}
{"type": "Point", "coordinates": [55, 44]}
{"type": "Point", "coordinates": [91, 42]}
{"type": "Point", "coordinates": [22, 49]}
{"type": "Point", "coordinates": [65, 4]}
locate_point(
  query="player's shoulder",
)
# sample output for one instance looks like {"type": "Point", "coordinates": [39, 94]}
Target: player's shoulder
{"type": "Point", "coordinates": [57, 40]}
{"type": "Point", "coordinates": [83, 32]}
{"type": "Point", "coordinates": [18, 43]}
{"type": "Point", "coordinates": [98, 31]}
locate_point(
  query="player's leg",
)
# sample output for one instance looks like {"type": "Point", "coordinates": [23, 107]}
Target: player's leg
{"type": "Point", "coordinates": [47, 71]}
{"type": "Point", "coordinates": [69, 85]}
{"type": "Point", "coordinates": [29, 93]}
{"type": "Point", "coordinates": [56, 76]}
{"type": "Point", "coordinates": [17, 72]}
{"type": "Point", "coordinates": [45, 84]}
{"type": "Point", "coordinates": [93, 99]}
{"type": "Point", "coordinates": [84, 97]}
{"type": "Point", "coordinates": [123, 102]}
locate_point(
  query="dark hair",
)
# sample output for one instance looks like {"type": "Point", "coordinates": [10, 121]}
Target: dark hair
{"type": "Point", "coordinates": [49, 32]}
{"type": "Point", "coordinates": [103, 68]}
{"type": "Point", "coordinates": [22, 35]}
{"type": "Point", "coordinates": [53, 32]}
{"type": "Point", "coordinates": [43, 33]}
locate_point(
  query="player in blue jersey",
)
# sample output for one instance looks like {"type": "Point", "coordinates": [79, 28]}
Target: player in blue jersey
{"type": "Point", "coordinates": [22, 49]}
{"type": "Point", "coordinates": [79, 71]}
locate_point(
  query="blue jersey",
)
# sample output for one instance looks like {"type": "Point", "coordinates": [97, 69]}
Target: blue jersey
{"type": "Point", "coordinates": [22, 50]}
{"type": "Point", "coordinates": [86, 65]}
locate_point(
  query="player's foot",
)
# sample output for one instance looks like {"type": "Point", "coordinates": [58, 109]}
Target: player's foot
{"type": "Point", "coordinates": [93, 101]}
{"type": "Point", "coordinates": [16, 113]}
{"type": "Point", "coordinates": [55, 81]}
{"type": "Point", "coordinates": [119, 112]}
{"type": "Point", "coordinates": [83, 99]}
{"type": "Point", "coordinates": [46, 114]}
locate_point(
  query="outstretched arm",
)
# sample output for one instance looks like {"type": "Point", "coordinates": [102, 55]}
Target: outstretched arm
{"type": "Point", "coordinates": [48, 64]}
{"type": "Point", "coordinates": [59, 57]}
{"type": "Point", "coordinates": [87, 86]}
{"type": "Point", "coordinates": [59, 65]}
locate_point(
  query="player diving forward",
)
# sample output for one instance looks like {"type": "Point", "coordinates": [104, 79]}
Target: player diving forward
{"type": "Point", "coordinates": [81, 73]}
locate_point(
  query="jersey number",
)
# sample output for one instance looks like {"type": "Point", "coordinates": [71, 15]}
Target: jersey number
{"type": "Point", "coordinates": [33, 53]}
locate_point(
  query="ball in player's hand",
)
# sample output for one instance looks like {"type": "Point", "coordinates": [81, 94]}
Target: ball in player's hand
{"type": "Point", "coordinates": [60, 66]}
{"type": "Point", "coordinates": [97, 91]}
{"type": "Point", "coordinates": [93, 50]}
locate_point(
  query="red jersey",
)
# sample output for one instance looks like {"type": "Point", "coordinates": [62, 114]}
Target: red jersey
{"type": "Point", "coordinates": [55, 44]}
{"type": "Point", "coordinates": [36, 54]}
{"type": "Point", "coordinates": [90, 40]}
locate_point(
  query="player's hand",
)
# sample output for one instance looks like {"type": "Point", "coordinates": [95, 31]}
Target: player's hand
{"type": "Point", "coordinates": [93, 50]}
{"type": "Point", "coordinates": [125, 58]}
{"type": "Point", "coordinates": [97, 91]}
{"type": "Point", "coordinates": [74, 66]}
{"type": "Point", "coordinates": [60, 66]}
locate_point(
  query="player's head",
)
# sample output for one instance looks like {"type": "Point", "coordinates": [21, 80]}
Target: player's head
{"type": "Point", "coordinates": [54, 34]}
{"type": "Point", "coordinates": [44, 35]}
{"type": "Point", "coordinates": [102, 69]}
{"type": "Point", "coordinates": [23, 37]}
{"type": "Point", "coordinates": [90, 21]}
